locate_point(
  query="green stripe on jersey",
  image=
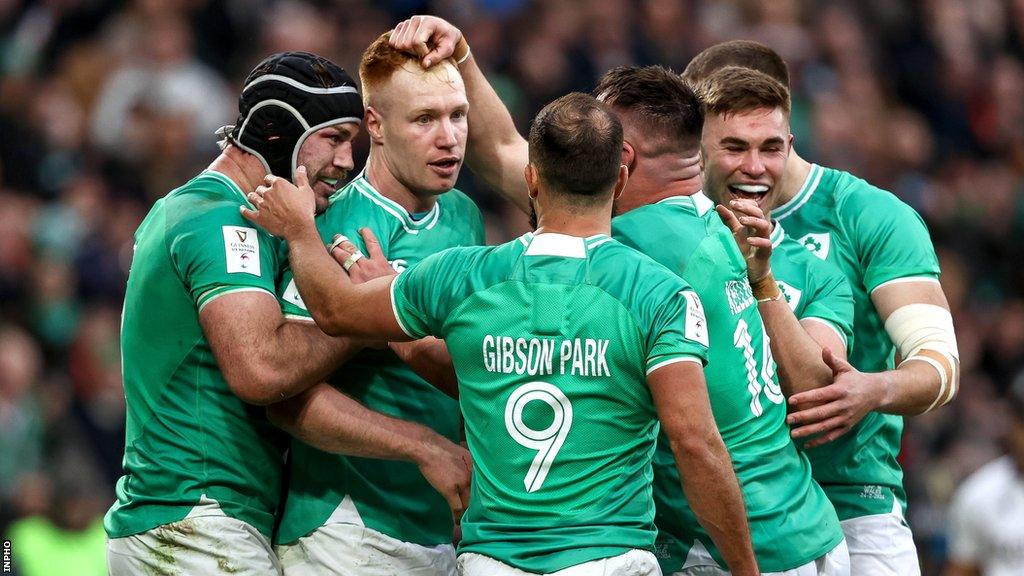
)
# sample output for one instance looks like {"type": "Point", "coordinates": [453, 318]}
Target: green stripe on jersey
{"type": "Point", "coordinates": [687, 236]}
{"type": "Point", "coordinates": [872, 238]}
{"type": "Point", "coordinates": [550, 336]}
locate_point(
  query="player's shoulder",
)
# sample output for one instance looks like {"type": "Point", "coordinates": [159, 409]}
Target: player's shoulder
{"type": "Point", "coordinates": [678, 216]}
{"type": "Point", "coordinates": [855, 198]}
{"type": "Point", "coordinates": [209, 199]}
{"type": "Point", "coordinates": [647, 277]}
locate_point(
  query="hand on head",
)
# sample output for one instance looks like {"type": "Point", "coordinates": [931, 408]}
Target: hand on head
{"type": "Point", "coordinates": [430, 38]}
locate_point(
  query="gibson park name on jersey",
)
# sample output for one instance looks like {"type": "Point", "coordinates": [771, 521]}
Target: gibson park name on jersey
{"type": "Point", "coordinates": [536, 356]}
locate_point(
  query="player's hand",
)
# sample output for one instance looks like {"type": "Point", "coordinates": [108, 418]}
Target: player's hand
{"type": "Point", "coordinates": [283, 209]}
{"type": "Point", "coordinates": [752, 233]}
{"type": "Point", "coordinates": [361, 267]}
{"type": "Point", "coordinates": [430, 38]}
{"type": "Point", "coordinates": [831, 411]}
{"type": "Point", "coordinates": [448, 467]}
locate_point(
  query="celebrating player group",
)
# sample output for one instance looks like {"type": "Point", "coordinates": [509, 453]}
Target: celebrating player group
{"type": "Point", "coordinates": [697, 363]}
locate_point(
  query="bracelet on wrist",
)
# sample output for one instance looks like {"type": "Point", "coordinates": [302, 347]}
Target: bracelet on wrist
{"type": "Point", "coordinates": [461, 52]}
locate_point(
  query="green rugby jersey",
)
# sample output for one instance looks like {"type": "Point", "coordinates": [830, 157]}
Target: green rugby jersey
{"type": "Point", "coordinates": [552, 337]}
{"type": "Point", "coordinates": [873, 238]}
{"type": "Point", "coordinates": [812, 287]}
{"type": "Point", "coordinates": [188, 436]}
{"type": "Point", "coordinates": [388, 496]}
{"type": "Point", "coordinates": [791, 520]}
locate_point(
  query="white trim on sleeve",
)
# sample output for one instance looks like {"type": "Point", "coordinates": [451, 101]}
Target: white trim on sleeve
{"type": "Point", "coordinates": [675, 360]}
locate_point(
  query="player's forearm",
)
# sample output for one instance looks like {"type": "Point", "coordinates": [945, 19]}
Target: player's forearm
{"type": "Point", "coordinates": [430, 360]}
{"type": "Point", "coordinates": [910, 389]}
{"type": "Point", "coordinates": [796, 353]}
{"type": "Point", "coordinates": [497, 152]}
{"type": "Point", "coordinates": [322, 283]}
{"type": "Point", "coordinates": [713, 492]}
{"type": "Point", "coordinates": [320, 355]}
{"type": "Point", "coordinates": [331, 421]}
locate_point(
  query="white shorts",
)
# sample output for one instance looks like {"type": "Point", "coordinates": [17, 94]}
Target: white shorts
{"type": "Point", "coordinates": [352, 550]}
{"type": "Point", "coordinates": [835, 562]}
{"type": "Point", "coordinates": [632, 563]}
{"type": "Point", "coordinates": [204, 542]}
{"type": "Point", "coordinates": [881, 545]}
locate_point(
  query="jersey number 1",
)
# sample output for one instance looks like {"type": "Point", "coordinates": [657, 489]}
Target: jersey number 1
{"type": "Point", "coordinates": [546, 442]}
{"type": "Point", "coordinates": [741, 339]}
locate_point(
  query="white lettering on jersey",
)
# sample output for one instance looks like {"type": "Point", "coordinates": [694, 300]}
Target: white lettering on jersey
{"type": "Point", "coordinates": [507, 355]}
{"type": "Point", "coordinates": [535, 356]}
{"type": "Point", "coordinates": [241, 250]}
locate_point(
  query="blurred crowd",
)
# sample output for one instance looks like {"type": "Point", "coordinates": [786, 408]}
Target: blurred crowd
{"type": "Point", "coordinates": [106, 105]}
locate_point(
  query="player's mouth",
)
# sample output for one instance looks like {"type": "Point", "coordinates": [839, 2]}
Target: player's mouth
{"type": "Point", "coordinates": [755, 192]}
{"type": "Point", "coordinates": [446, 167]}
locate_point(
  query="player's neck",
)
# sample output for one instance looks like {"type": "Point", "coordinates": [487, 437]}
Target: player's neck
{"type": "Point", "coordinates": [384, 181]}
{"type": "Point", "coordinates": [796, 173]}
{"type": "Point", "coordinates": [574, 223]}
{"type": "Point", "coordinates": [242, 168]}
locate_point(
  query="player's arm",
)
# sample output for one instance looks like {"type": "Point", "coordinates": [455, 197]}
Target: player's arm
{"type": "Point", "coordinates": [917, 318]}
{"type": "Point", "coordinates": [498, 153]}
{"type": "Point", "coordinates": [681, 397]}
{"type": "Point", "coordinates": [329, 420]}
{"type": "Point", "coordinates": [796, 346]}
{"type": "Point", "coordinates": [429, 359]}
{"type": "Point", "coordinates": [256, 347]}
{"type": "Point", "coordinates": [337, 304]}
{"type": "Point", "coordinates": [900, 272]}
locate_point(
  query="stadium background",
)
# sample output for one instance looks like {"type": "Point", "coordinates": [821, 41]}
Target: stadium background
{"type": "Point", "coordinates": [107, 105]}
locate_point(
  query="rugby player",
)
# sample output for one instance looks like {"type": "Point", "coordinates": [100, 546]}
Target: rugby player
{"type": "Point", "coordinates": [741, 147]}
{"type": "Point", "coordinates": [346, 515]}
{"type": "Point", "coordinates": [664, 215]}
{"type": "Point", "coordinates": [883, 248]}
{"type": "Point", "coordinates": [580, 343]}
{"type": "Point", "coordinates": [205, 345]}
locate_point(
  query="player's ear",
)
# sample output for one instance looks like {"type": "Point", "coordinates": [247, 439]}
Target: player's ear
{"type": "Point", "coordinates": [628, 156]}
{"type": "Point", "coordinates": [373, 125]}
{"type": "Point", "coordinates": [532, 180]}
{"type": "Point", "coordinates": [620, 182]}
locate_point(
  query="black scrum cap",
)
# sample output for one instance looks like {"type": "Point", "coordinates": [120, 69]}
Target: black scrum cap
{"type": "Point", "coordinates": [287, 97]}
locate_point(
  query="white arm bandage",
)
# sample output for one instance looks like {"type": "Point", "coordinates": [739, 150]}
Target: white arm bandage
{"type": "Point", "coordinates": [924, 333]}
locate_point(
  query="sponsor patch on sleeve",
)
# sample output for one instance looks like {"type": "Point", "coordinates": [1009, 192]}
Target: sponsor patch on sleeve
{"type": "Point", "coordinates": [242, 250]}
{"type": "Point", "coordinates": [696, 324]}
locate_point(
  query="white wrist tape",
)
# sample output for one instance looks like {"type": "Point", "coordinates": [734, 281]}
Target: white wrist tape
{"type": "Point", "coordinates": [924, 333]}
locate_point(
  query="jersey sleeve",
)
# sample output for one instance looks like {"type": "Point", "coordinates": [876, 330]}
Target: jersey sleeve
{"type": "Point", "coordinates": [421, 294]}
{"type": "Point", "coordinates": [219, 253]}
{"type": "Point", "coordinates": [679, 330]}
{"type": "Point", "coordinates": [831, 301]}
{"type": "Point", "coordinates": [891, 238]}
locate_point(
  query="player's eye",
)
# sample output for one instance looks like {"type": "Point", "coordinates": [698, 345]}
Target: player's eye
{"type": "Point", "coordinates": [458, 114]}
{"type": "Point", "coordinates": [423, 119]}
